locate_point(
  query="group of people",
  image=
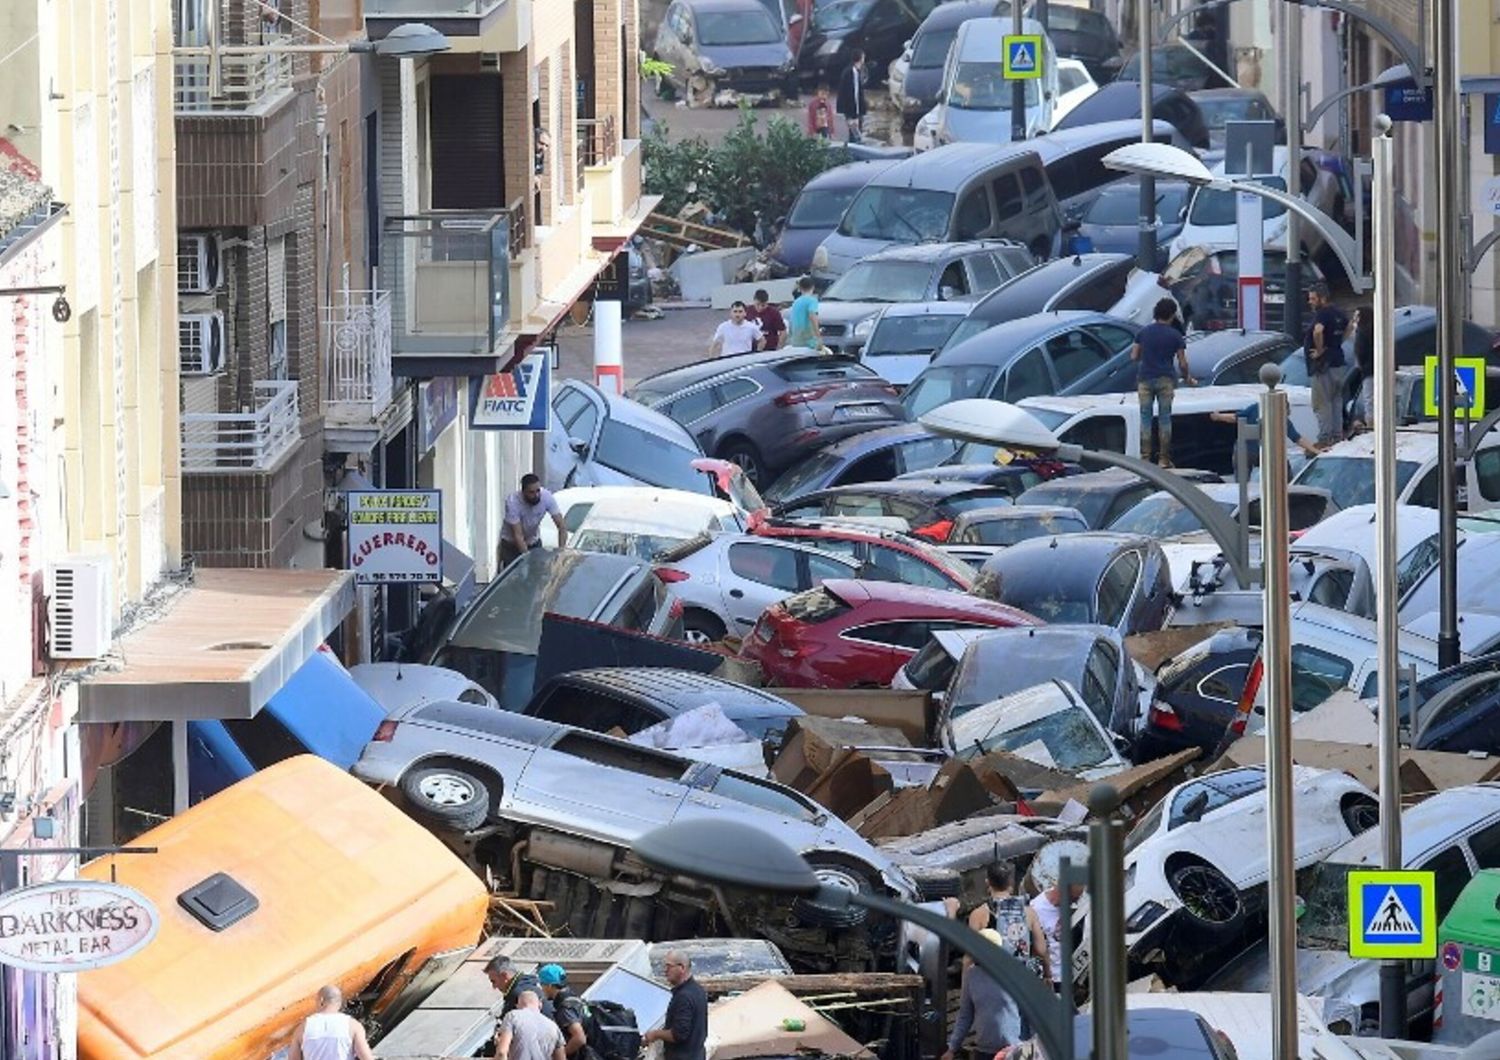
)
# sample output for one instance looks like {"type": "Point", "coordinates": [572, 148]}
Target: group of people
{"type": "Point", "coordinates": [760, 325]}
{"type": "Point", "coordinates": [849, 103]}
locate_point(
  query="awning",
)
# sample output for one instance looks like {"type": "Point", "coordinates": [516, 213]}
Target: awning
{"type": "Point", "coordinates": [225, 645]}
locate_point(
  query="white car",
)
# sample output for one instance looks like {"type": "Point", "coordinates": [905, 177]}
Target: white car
{"type": "Point", "coordinates": [1074, 85]}
{"type": "Point", "coordinates": [627, 519]}
{"type": "Point", "coordinates": [1142, 291]}
{"type": "Point", "coordinates": [396, 686]}
{"type": "Point", "coordinates": [1197, 864]}
{"type": "Point", "coordinates": [1048, 724]}
{"type": "Point", "coordinates": [1211, 214]}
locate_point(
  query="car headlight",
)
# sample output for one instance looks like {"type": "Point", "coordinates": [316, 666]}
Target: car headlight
{"type": "Point", "coordinates": [831, 47]}
{"type": "Point", "coordinates": [1144, 917]}
{"type": "Point", "coordinates": [863, 328]}
{"type": "Point", "coordinates": [820, 258]}
{"type": "Point", "coordinates": [711, 68]}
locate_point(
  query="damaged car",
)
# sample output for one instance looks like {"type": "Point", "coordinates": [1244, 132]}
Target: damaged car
{"type": "Point", "coordinates": [714, 45]}
{"type": "Point", "coordinates": [1048, 724]}
{"type": "Point", "coordinates": [554, 811]}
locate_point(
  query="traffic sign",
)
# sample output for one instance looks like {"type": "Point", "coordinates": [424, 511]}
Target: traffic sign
{"type": "Point", "coordinates": [1392, 914]}
{"type": "Point", "coordinates": [1023, 56]}
{"type": "Point", "coordinates": [1468, 379]}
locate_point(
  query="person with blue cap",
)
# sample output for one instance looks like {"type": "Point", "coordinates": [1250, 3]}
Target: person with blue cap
{"type": "Point", "coordinates": [569, 1010]}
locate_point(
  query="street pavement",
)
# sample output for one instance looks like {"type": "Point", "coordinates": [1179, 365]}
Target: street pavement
{"type": "Point", "coordinates": [647, 346]}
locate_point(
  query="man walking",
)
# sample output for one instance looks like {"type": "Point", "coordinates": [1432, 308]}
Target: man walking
{"type": "Point", "coordinates": [1008, 913]}
{"type": "Point", "coordinates": [685, 1028]}
{"type": "Point", "coordinates": [511, 983]}
{"type": "Point", "coordinates": [804, 328]}
{"type": "Point", "coordinates": [521, 529]}
{"type": "Point", "coordinates": [1048, 909]}
{"type": "Point", "coordinates": [768, 318]}
{"type": "Point", "coordinates": [1324, 347]}
{"type": "Point", "coordinates": [328, 1034]}
{"type": "Point", "coordinates": [1160, 351]}
{"type": "Point", "coordinates": [851, 98]}
{"type": "Point", "coordinates": [985, 1008]}
{"type": "Point", "coordinates": [525, 1033]}
{"type": "Point", "coordinates": [735, 335]}
{"type": "Point", "coordinates": [569, 1011]}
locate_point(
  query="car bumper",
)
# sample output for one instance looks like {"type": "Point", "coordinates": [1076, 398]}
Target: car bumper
{"type": "Point", "coordinates": [379, 772]}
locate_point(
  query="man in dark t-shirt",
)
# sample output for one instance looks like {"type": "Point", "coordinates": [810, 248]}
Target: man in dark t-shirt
{"type": "Point", "coordinates": [1324, 347]}
{"type": "Point", "coordinates": [685, 1027]}
{"type": "Point", "coordinates": [1160, 352]}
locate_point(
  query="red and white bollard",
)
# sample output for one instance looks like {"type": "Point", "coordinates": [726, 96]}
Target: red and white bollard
{"type": "Point", "coordinates": [609, 366]}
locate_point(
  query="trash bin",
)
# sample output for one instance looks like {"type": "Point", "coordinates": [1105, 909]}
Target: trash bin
{"type": "Point", "coordinates": [1468, 989]}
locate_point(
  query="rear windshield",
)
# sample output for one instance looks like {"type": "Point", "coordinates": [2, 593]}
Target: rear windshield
{"type": "Point", "coordinates": [648, 457]}
{"type": "Point", "coordinates": [1350, 479]}
{"type": "Point", "coordinates": [900, 215]}
{"type": "Point", "coordinates": [820, 208]}
{"type": "Point", "coordinates": [931, 668]}
{"type": "Point", "coordinates": [813, 606]}
{"type": "Point", "coordinates": [1005, 532]}
{"type": "Point", "coordinates": [818, 369]}
{"type": "Point", "coordinates": [1217, 208]}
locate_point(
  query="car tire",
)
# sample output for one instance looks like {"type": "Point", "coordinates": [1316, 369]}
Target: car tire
{"type": "Point", "coordinates": [702, 627]}
{"type": "Point", "coordinates": [836, 872]}
{"type": "Point", "coordinates": [1360, 813]}
{"type": "Point", "coordinates": [1210, 902]}
{"type": "Point", "coordinates": [747, 456]}
{"type": "Point", "coordinates": [448, 796]}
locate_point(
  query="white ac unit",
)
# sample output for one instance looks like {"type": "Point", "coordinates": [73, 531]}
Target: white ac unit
{"type": "Point", "coordinates": [80, 607]}
{"type": "Point", "coordinates": [198, 270]}
{"type": "Point", "coordinates": [200, 343]}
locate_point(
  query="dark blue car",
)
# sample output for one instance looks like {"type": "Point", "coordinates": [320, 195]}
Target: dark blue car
{"type": "Point", "coordinates": [819, 207]}
{"type": "Point", "coordinates": [872, 456]}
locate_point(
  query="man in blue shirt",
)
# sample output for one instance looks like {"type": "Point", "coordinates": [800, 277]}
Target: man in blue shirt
{"type": "Point", "coordinates": [803, 328]}
{"type": "Point", "coordinates": [1251, 414]}
{"type": "Point", "coordinates": [1323, 346]}
{"type": "Point", "coordinates": [1160, 352]}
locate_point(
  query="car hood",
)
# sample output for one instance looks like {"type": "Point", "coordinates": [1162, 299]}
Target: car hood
{"type": "Point", "coordinates": [732, 56]}
{"type": "Point", "coordinates": [794, 246]}
{"type": "Point", "coordinates": [922, 86]}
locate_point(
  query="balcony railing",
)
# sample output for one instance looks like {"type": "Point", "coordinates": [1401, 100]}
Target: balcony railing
{"type": "Point", "coordinates": [449, 274]}
{"type": "Point", "coordinates": [244, 441]}
{"type": "Point", "coordinates": [597, 145]}
{"type": "Point", "coordinates": [430, 8]}
{"type": "Point", "coordinates": [249, 83]}
{"type": "Point", "coordinates": [358, 358]}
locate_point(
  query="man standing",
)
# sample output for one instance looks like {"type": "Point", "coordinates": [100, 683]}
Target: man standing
{"type": "Point", "coordinates": [512, 984]}
{"type": "Point", "coordinates": [521, 530]}
{"type": "Point", "coordinates": [768, 318]}
{"type": "Point", "coordinates": [735, 335]}
{"type": "Point", "coordinates": [805, 330]}
{"type": "Point", "coordinates": [328, 1034]}
{"type": "Point", "coordinates": [525, 1034]}
{"type": "Point", "coordinates": [1157, 347]}
{"type": "Point", "coordinates": [985, 1008]}
{"type": "Point", "coordinates": [569, 1011]}
{"type": "Point", "coordinates": [851, 99]}
{"type": "Point", "coordinates": [1048, 909]}
{"type": "Point", "coordinates": [1008, 913]}
{"type": "Point", "coordinates": [685, 1027]}
{"type": "Point", "coordinates": [1324, 347]}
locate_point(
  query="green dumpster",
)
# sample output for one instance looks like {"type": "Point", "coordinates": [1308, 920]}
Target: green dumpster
{"type": "Point", "coordinates": [1469, 963]}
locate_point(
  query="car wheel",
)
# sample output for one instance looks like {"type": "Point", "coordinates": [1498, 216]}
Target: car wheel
{"type": "Point", "coordinates": [834, 873]}
{"type": "Point", "coordinates": [747, 457]}
{"type": "Point", "coordinates": [447, 796]}
{"type": "Point", "coordinates": [700, 627]}
{"type": "Point", "coordinates": [1208, 897]}
{"type": "Point", "coordinates": [1360, 814]}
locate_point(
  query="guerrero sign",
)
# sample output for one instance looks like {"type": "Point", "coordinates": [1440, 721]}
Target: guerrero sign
{"type": "Point", "coordinates": [395, 536]}
{"type": "Point", "coordinates": [73, 926]}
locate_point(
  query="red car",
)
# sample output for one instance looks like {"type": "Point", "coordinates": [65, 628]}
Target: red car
{"type": "Point", "coordinates": [853, 634]}
{"type": "Point", "coordinates": [884, 554]}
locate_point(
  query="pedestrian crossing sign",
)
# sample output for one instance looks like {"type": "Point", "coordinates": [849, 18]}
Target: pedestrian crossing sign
{"type": "Point", "coordinates": [1392, 915]}
{"type": "Point", "coordinates": [1468, 387]}
{"type": "Point", "coordinates": [1023, 56]}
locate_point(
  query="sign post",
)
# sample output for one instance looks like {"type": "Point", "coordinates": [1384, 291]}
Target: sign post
{"type": "Point", "coordinates": [1393, 915]}
{"type": "Point", "coordinates": [1250, 151]}
{"type": "Point", "coordinates": [395, 537]}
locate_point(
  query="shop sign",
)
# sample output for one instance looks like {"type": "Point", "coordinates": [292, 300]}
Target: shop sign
{"type": "Point", "coordinates": [395, 537]}
{"type": "Point", "coordinates": [73, 925]}
{"type": "Point", "coordinates": [517, 400]}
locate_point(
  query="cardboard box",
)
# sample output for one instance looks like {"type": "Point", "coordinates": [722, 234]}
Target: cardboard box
{"type": "Point", "coordinates": [1423, 773]}
{"type": "Point", "coordinates": [812, 743]}
{"type": "Point", "coordinates": [912, 713]}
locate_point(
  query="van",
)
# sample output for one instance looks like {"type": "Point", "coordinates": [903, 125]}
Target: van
{"type": "Point", "coordinates": [1347, 470]}
{"type": "Point", "coordinates": [976, 100]}
{"type": "Point", "coordinates": [295, 877]}
{"type": "Point", "coordinates": [1112, 422]}
{"type": "Point", "coordinates": [951, 194]}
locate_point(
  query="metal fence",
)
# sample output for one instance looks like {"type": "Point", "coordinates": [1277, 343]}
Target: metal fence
{"type": "Point", "coordinates": [244, 441]}
{"type": "Point", "coordinates": [248, 83]}
{"type": "Point", "coordinates": [358, 357]}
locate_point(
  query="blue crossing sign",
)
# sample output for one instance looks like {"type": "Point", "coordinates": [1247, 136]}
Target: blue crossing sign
{"type": "Point", "coordinates": [1023, 56]}
{"type": "Point", "coordinates": [1468, 380]}
{"type": "Point", "coordinates": [1392, 914]}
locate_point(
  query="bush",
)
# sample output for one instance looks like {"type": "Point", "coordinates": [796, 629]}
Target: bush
{"type": "Point", "coordinates": [749, 176]}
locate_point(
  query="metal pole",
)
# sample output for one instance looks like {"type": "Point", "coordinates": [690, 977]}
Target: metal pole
{"type": "Point", "coordinates": [215, 61]}
{"type": "Point", "coordinates": [1018, 87]}
{"type": "Point", "coordinates": [1289, 65]}
{"type": "Point", "coordinates": [1107, 922]}
{"type": "Point", "coordinates": [1450, 314]}
{"type": "Point", "coordinates": [1145, 255]}
{"type": "Point", "coordinates": [1387, 624]}
{"type": "Point", "coordinates": [1277, 647]}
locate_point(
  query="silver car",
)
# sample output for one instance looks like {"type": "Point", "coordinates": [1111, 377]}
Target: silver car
{"type": "Point", "coordinates": [584, 799]}
{"type": "Point", "coordinates": [595, 438]}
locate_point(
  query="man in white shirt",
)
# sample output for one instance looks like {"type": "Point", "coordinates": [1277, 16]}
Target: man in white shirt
{"type": "Point", "coordinates": [521, 529]}
{"type": "Point", "coordinates": [735, 335]}
{"type": "Point", "coordinates": [328, 1034]}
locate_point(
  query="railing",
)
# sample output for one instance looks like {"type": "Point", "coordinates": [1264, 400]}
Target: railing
{"type": "Point", "coordinates": [449, 274]}
{"type": "Point", "coordinates": [441, 8]}
{"type": "Point", "coordinates": [358, 357]}
{"type": "Point", "coordinates": [597, 145]}
{"type": "Point", "coordinates": [248, 83]}
{"type": "Point", "coordinates": [244, 441]}
{"type": "Point", "coordinates": [520, 229]}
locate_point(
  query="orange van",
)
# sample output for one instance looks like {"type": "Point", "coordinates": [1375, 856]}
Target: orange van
{"type": "Point", "coordinates": [294, 877]}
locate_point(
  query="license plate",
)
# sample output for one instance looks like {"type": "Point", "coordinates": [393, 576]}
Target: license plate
{"type": "Point", "coordinates": [863, 412]}
{"type": "Point", "coordinates": [1275, 299]}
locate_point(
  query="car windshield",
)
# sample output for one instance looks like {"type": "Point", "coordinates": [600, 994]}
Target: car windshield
{"type": "Point", "coordinates": [1120, 204]}
{"type": "Point", "coordinates": [931, 668]}
{"type": "Point", "coordinates": [1325, 899]}
{"type": "Point", "coordinates": [1049, 605]}
{"type": "Point", "coordinates": [1350, 479]}
{"type": "Point", "coordinates": [1160, 515]}
{"type": "Point", "coordinates": [809, 475]}
{"type": "Point", "coordinates": [982, 86]}
{"type": "Point", "coordinates": [508, 617]}
{"type": "Point", "coordinates": [901, 215]}
{"type": "Point", "coordinates": [882, 281]}
{"type": "Point", "coordinates": [940, 384]}
{"type": "Point", "coordinates": [1213, 208]}
{"type": "Point", "coordinates": [920, 334]}
{"type": "Point", "coordinates": [1021, 527]}
{"type": "Point", "coordinates": [1065, 740]}
{"type": "Point", "coordinates": [648, 457]}
{"type": "Point", "coordinates": [841, 14]}
{"type": "Point", "coordinates": [967, 329]}
{"type": "Point", "coordinates": [1219, 111]}
{"type": "Point", "coordinates": [751, 26]}
{"type": "Point", "coordinates": [991, 670]}
{"type": "Point", "coordinates": [931, 48]}
{"type": "Point", "coordinates": [624, 543]}
{"type": "Point", "coordinates": [820, 208]}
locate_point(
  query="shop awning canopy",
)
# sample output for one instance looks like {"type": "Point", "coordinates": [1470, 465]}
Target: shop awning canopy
{"type": "Point", "coordinates": [222, 648]}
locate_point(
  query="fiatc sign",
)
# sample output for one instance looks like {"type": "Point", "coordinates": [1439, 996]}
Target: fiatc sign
{"type": "Point", "coordinates": [395, 536]}
{"type": "Point", "coordinates": [73, 926]}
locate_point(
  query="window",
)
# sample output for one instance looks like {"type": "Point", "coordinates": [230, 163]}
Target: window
{"type": "Point", "coordinates": [1098, 293]}
{"type": "Point", "coordinates": [641, 605]}
{"type": "Point", "coordinates": [974, 217]}
{"type": "Point", "coordinates": [953, 281]}
{"type": "Point", "coordinates": [1028, 376]}
{"type": "Point", "coordinates": [1116, 588]}
{"type": "Point", "coordinates": [1485, 846]}
{"type": "Point", "coordinates": [624, 756]}
{"type": "Point", "coordinates": [878, 466]}
{"type": "Point", "coordinates": [1316, 675]}
{"type": "Point", "coordinates": [923, 453]}
{"type": "Point", "coordinates": [263, 739]}
{"type": "Point", "coordinates": [583, 424]}
{"type": "Point", "coordinates": [1425, 493]}
{"type": "Point", "coordinates": [897, 566]}
{"type": "Point", "coordinates": [1113, 338]}
{"type": "Point", "coordinates": [569, 403]}
{"type": "Point", "coordinates": [1411, 567]}
{"type": "Point", "coordinates": [1008, 200]}
{"type": "Point", "coordinates": [649, 457]}
{"type": "Point", "coordinates": [691, 407]}
{"type": "Point", "coordinates": [585, 708]}
{"type": "Point", "coordinates": [1125, 500]}
{"type": "Point", "coordinates": [821, 568]}
{"type": "Point", "coordinates": [856, 503]}
{"type": "Point", "coordinates": [985, 276]}
{"type": "Point", "coordinates": [762, 796]}
{"type": "Point", "coordinates": [1074, 355]}
{"type": "Point", "coordinates": [1105, 431]}
{"type": "Point", "coordinates": [765, 564]}
{"type": "Point", "coordinates": [1221, 789]}
{"type": "Point", "coordinates": [911, 635]}
{"type": "Point", "coordinates": [838, 545]}
{"type": "Point", "coordinates": [1225, 684]}
{"type": "Point", "coordinates": [1487, 470]}
{"type": "Point", "coordinates": [1332, 588]}
{"type": "Point", "coordinates": [1247, 370]}
{"type": "Point", "coordinates": [1101, 673]}
{"type": "Point", "coordinates": [1451, 872]}
{"type": "Point", "coordinates": [734, 389]}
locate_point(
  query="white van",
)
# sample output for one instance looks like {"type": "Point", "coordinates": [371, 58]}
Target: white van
{"type": "Point", "coordinates": [1347, 470]}
{"type": "Point", "coordinates": [1112, 422]}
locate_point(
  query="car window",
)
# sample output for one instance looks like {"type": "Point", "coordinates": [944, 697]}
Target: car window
{"type": "Point", "coordinates": [1101, 672]}
{"type": "Point", "coordinates": [1226, 684]}
{"type": "Point", "coordinates": [1008, 201]}
{"type": "Point", "coordinates": [1412, 566]}
{"type": "Point", "coordinates": [1316, 675]}
{"type": "Point", "coordinates": [953, 280]}
{"type": "Point", "coordinates": [854, 504]}
{"type": "Point", "coordinates": [765, 565]}
{"type": "Point", "coordinates": [1332, 587]}
{"type": "Point", "coordinates": [569, 403]}
{"type": "Point", "coordinates": [1031, 181]}
{"type": "Point", "coordinates": [1425, 493]}
{"type": "Point", "coordinates": [911, 635]}
{"type": "Point", "coordinates": [263, 739]}
{"type": "Point", "coordinates": [1487, 470]}
{"type": "Point", "coordinates": [690, 407]}
{"type": "Point", "coordinates": [1451, 874]}
{"type": "Point", "coordinates": [1027, 377]}
{"type": "Point", "coordinates": [1116, 588]}
{"type": "Point", "coordinates": [1485, 846]}
{"type": "Point", "coordinates": [906, 568]}
{"type": "Point", "coordinates": [1069, 78]}
{"type": "Point", "coordinates": [821, 568]}
{"type": "Point", "coordinates": [1066, 738]}
{"type": "Point", "coordinates": [762, 796]}
{"type": "Point", "coordinates": [923, 453]}
{"type": "Point", "coordinates": [734, 389]}
{"type": "Point", "coordinates": [984, 275]}
{"type": "Point", "coordinates": [585, 708]}
{"type": "Point", "coordinates": [1247, 370]}
{"type": "Point", "coordinates": [839, 545]}
{"type": "Point", "coordinates": [1126, 499]}
{"type": "Point", "coordinates": [1074, 355]}
{"type": "Point", "coordinates": [1099, 293]}
{"type": "Point", "coordinates": [1103, 431]}
{"type": "Point", "coordinates": [620, 755]}
{"type": "Point", "coordinates": [974, 218]}
{"type": "Point", "coordinates": [1221, 789]}
{"type": "Point", "coordinates": [879, 466]}
{"type": "Point", "coordinates": [1013, 261]}
{"type": "Point", "coordinates": [583, 425]}
{"type": "Point", "coordinates": [640, 605]}
{"type": "Point", "coordinates": [1111, 336]}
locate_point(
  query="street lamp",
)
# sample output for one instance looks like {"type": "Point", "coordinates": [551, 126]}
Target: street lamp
{"type": "Point", "coordinates": [1000, 423]}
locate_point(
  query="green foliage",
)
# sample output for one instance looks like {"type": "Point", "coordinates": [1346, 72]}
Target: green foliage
{"type": "Point", "coordinates": [749, 174]}
{"type": "Point", "coordinates": [653, 68]}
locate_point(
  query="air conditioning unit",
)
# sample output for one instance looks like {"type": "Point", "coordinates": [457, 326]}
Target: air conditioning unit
{"type": "Point", "coordinates": [198, 269]}
{"type": "Point", "coordinates": [200, 343]}
{"type": "Point", "coordinates": [80, 607]}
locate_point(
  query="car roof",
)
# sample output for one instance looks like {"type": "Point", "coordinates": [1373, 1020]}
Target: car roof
{"type": "Point", "coordinates": [671, 380]}
{"type": "Point", "coordinates": [1069, 138]}
{"type": "Point", "coordinates": [849, 175]}
{"type": "Point", "coordinates": [1040, 555]}
{"type": "Point", "coordinates": [1353, 529]}
{"type": "Point", "coordinates": [938, 251]}
{"type": "Point", "coordinates": [920, 597]}
{"type": "Point", "coordinates": [953, 13]}
{"type": "Point", "coordinates": [1111, 478]}
{"type": "Point", "coordinates": [1117, 100]}
{"type": "Point", "coordinates": [865, 440]}
{"type": "Point", "coordinates": [1417, 442]}
{"type": "Point", "coordinates": [1188, 399]}
{"type": "Point", "coordinates": [679, 691]}
{"type": "Point", "coordinates": [951, 166]}
{"type": "Point", "coordinates": [1038, 285]}
{"type": "Point", "coordinates": [1019, 334]}
{"type": "Point", "coordinates": [559, 568]}
{"type": "Point", "coordinates": [627, 410]}
{"type": "Point", "coordinates": [932, 489]}
{"type": "Point", "coordinates": [1211, 347]}
{"type": "Point", "coordinates": [1430, 823]}
{"type": "Point", "coordinates": [991, 650]}
{"type": "Point", "coordinates": [1160, 1033]}
{"type": "Point", "coordinates": [982, 39]}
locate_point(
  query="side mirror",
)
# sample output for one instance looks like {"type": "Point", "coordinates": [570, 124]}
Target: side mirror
{"type": "Point", "coordinates": [579, 446]}
{"type": "Point", "coordinates": [946, 293]}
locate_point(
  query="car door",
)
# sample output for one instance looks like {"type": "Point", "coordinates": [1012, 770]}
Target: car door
{"type": "Point", "coordinates": [1075, 356]}
{"type": "Point", "coordinates": [1116, 591]}
{"type": "Point", "coordinates": [756, 574]}
{"type": "Point", "coordinates": [576, 417]}
{"type": "Point", "coordinates": [1029, 375]}
{"type": "Point", "coordinates": [598, 786]}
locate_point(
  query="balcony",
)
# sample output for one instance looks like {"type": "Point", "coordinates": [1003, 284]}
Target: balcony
{"type": "Point", "coordinates": [498, 25]}
{"type": "Point", "coordinates": [251, 441]}
{"type": "Point", "coordinates": [597, 144]}
{"type": "Point", "coordinates": [449, 274]}
{"type": "Point", "coordinates": [251, 84]}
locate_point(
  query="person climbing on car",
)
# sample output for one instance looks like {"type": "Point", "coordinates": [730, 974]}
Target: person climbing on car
{"type": "Point", "coordinates": [1160, 351]}
{"type": "Point", "coordinates": [568, 1009]}
{"type": "Point", "coordinates": [1323, 345]}
{"type": "Point", "coordinates": [521, 530]}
